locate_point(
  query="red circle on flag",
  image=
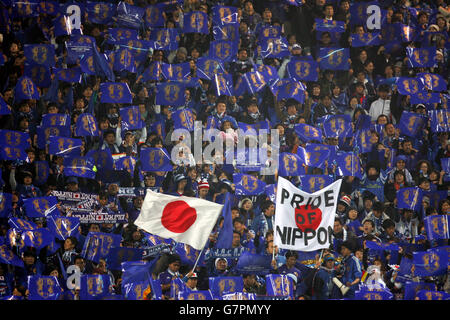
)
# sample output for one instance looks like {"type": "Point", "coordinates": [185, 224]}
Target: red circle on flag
{"type": "Point", "coordinates": [178, 216]}
{"type": "Point", "coordinates": [308, 217]}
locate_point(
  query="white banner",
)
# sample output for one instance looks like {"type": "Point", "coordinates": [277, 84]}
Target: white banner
{"type": "Point", "coordinates": [304, 221]}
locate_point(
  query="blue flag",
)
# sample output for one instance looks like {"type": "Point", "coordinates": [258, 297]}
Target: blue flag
{"type": "Point", "coordinates": [223, 15]}
{"type": "Point", "coordinates": [103, 159]}
{"type": "Point", "coordinates": [136, 290]}
{"type": "Point", "coordinates": [223, 50]}
{"type": "Point", "coordinates": [48, 7]}
{"type": "Point", "coordinates": [252, 263]}
{"type": "Point", "coordinates": [62, 146]}
{"type": "Point", "coordinates": [196, 295]}
{"type": "Point", "coordinates": [5, 204]}
{"type": "Point", "coordinates": [22, 224]}
{"type": "Point", "coordinates": [307, 132]}
{"type": "Point", "coordinates": [100, 64]}
{"type": "Point", "coordinates": [25, 89]}
{"type": "Point", "coordinates": [365, 294]}
{"type": "Point", "coordinates": [183, 119]}
{"type": "Point", "coordinates": [131, 118]}
{"type": "Point", "coordinates": [248, 185]}
{"type": "Point", "coordinates": [313, 158]}
{"type": "Point", "coordinates": [208, 67]}
{"type": "Point", "coordinates": [86, 126]}
{"type": "Point", "coordinates": [126, 163]}
{"type": "Point", "coordinates": [177, 72]}
{"type": "Point", "coordinates": [279, 285]}
{"type": "Point", "coordinates": [269, 32]}
{"type": "Point", "coordinates": [409, 198]}
{"type": "Point", "coordinates": [4, 108]}
{"type": "Point", "coordinates": [94, 287]}
{"type": "Point", "coordinates": [44, 288]}
{"type": "Point", "coordinates": [291, 89]}
{"type": "Point", "coordinates": [14, 144]}
{"type": "Point", "coordinates": [118, 255]}
{"type": "Point", "coordinates": [124, 60]}
{"type": "Point", "coordinates": [72, 75]}
{"type": "Point", "coordinates": [229, 32]}
{"type": "Point", "coordinates": [290, 164]}
{"type": "Point", "coordinates": [366, 39]}
{"type": "Point", "coordinates": [225, 237]}
{"type": "Point", "coordinates": [40, 54]}
{"type": "Point", "coordinates": [38, 239]}
{"type": "Point", "coordinates": [98, 245]}
{"type": "Point", "coordinates": [433, 81]}
{"type": "Point", "coordinates": [170, 94]}
{"type": "Point", "coordinates": [432, 295]}
{"type": "Point", "coordinates": [153, 72]}
{"type": "Point", "coordinates": [79, 167]}
{"type": "Point", "coordinates": [306, 70]}
{"type": "Point", "coordinates": [117, 35]}
{"type": "Point", "coordinates": [159, 127]}
{"type": "Point", "coordinates": [334, 58]}
{"type": "Point", "coordinates": [39, 74]}
{"type": "Point", "coordinates": [364, 121]}
{"type": "Point", "coordinates": [313, 183]}
{"type": "Point", "coordinates": [424, 57]}
{"type": "Point", "coordinates": [8, 257]}
{"type": "Point", "coordinates": [155, 159]}
{"type": "Point", "coordinates": [223, 84]}
{"type": "Point", "coordinates": [41, 207]}
{"type": "Point", "coordinates": [436, 227]}
{"type": "Point", "coordinates": [129, 16]}
{"type": "Point", "coordinates": [154, 16]}
{"type": "Point", "coordinates": [432, 262]}
{"type": "Point", "coordinates": [409, 86]}
{"type": "Point", "coordinates": [62, 26]}
{"type": "Point", "coordinates": [412, 287]}
{"type": "Point", "coordinates": [274, 47]}
{"type": "Point", "coordinates": [251, 82]}
{"type": "Point", "coordinates": [115, 92]}
{"type": "Point", "coordinates": [45, 132]}
{"type": "Point", "coordinates": [440, 120]}
{"type": "Point", "coordinates": [78, 47]}
{"type": "Point", "coordinates": [63, 227]}
{"type": "Point", "coordinates": [100, 12]}
{"type": "Point", "coordinates": [359, 13]}
{"type": "Point", "coordinates": [337, 126]}
{"type": "Point", "coordinates": [165, 39]}
{"type": "Point", "coordinates": [348, 164]}
{"type": "Point", "coordinates": [411, 123]}
{"type": "Point", "coordinates": [364, 141]}
{"type": "Point", "coordinates": [427, 98]}
{"type": "Point", "coordinates": [219, 285]}
{"type": "Point", "coordinates": [195, 22]}
{"type": "Point", "coordinates": [55, 119]}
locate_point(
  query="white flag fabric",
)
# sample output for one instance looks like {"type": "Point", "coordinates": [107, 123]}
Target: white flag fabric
{"type": "Point", "coordinates": [183, 219]}
{"type": "Point", "coordinates": [304, 221]}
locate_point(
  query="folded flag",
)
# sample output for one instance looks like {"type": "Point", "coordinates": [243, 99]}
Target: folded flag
{"type": "Point", "coordinates": [183, 219]}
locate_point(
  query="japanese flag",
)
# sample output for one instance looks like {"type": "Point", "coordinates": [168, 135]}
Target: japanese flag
{"type": "Point", "coordinates": [183, 219]}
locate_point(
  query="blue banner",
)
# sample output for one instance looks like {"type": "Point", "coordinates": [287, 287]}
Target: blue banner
{"type": "Point", "coordinates": [44, 288]}
{"type": "Point", "coordinates": [124, 60]}
{"type": "Point", "coordinates": [131, 118]}
{"type": "Point", "coordinates": [274, 48]}
{"type": "Point", "coordinates": [439, 120]}
{"type": "Point", "coordinates": [98, 245]}
{"type": "Point", "coordinates": [165, 39]}
{"type": "Point", "coordinates": [313, 183]}
{"type": "Point", "coordinates": [155, 159]}
{"type": "Point", "coordinates": [224, 15]}
{"type": "Point", "coordinates": [251, 263]}
{"type": "Point", "coordinates": [436, 227]}
{"type": "Point", "coordinates": [129, 16]}
{"type": "Point", "coordinates": [364, 141]}
{"type": "Point", "coordinates": [26, 89]}
{"type": "Point", "coordinates": [117, 255]}
{"type": "Point", "coordinates": [154, 16]}
{"type": "Point", "coordinates": [366, 39]}
{"type": "Point", "coordinates": [5, 204]}
{"type": "Point", "coordinates": [290, 165]}
{"type": "Point", "coordinates": [40, 54]}
{"type": "Point", "coordinates": [409, 198]}
{"type": "Point", "coordinates": [432, 262]}
{"type": "Point", "coordinates": [208, 67]}
{"type": "Point", "coordinates": [41, 207]}
{"type": "Point", "coordinates": [432, 295]}
{"type": "Point", "coordinates": [409, 86]}
{"type": "Point", "coordinates": [177, 72]}
{"type": "Point", "coordinates": [337, 126]}
{"type": "Point", "coordinates": [348, 164]}
{"type": "Point", "coordinates": [115, 92]}
{"type": "Point", "coordinates": [223, 50]}
{"type": "Point", "coordinates": [334, 58]}
{"type": "Point", "coordinates": [79, 167]}
{"type": "Point", "coordinates": [125, 163]}
{"type": "Point", "coordinates": [170, 94]}
{"type": "Point", "coordinates": [306, 70]}
{"type": "Point", "coordinates": [72, 75]}
{"type": "Point", "coordinates": [248, 185]}
{"type": "Point", "coordinates": [411, 289]}
{"type": "Point", "coordinates": [434, 82]}
{"type": "Point", "coordinates": [94, 287]}
{"type": "Point", "coordinates": [100, 12]}
{"type": "Point", "coordinates": [219, 285]}
{"type": "Point", "coordinates": [196, 295]}
{"type": "Point", "coordinates": [382, 294]}
{"type": "Point", "coordinates": [424, 57]}
{"type": "Point", "coordinates": [223, 85]}
{"type": "Point", "coordinates": [38, 239]}
{"type": "Point", "coordinates": [8, 257]}
{"type": "Point", "coordinates": [39, 74]}
{"type": "Point", "coordinates": [102, 158]}
{"type": "Point", "coordinates": [228, 32]}
{"type": "Point", "coordinates": [153, 72]}
{"type": "Point", "coordinates": [279, 285]}
{"type": "Point", "coordinates": [22, 224]}
{"type": "Point", "coordinates": [195, 22]}
{"type": "Point", "coordinates": [86, 126]}
{"type": "Point", "coordinates": [411, 123]}
{"type": "Point", "coordinates": [183, 119]}
{"type": "Point", "coordinates": [307, 132]}
{"type": "Point", "coordinates": [313, 158]}
{"type": "Point", "coordinates": [427, 98]}
{"type": "Point", "coordinates": [63, 227]}
{"type": "Point", "coordinates": [291, 89]}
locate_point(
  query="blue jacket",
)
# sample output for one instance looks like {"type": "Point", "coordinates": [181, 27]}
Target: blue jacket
{"type": "Point", "coordinates": [352, 271]}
